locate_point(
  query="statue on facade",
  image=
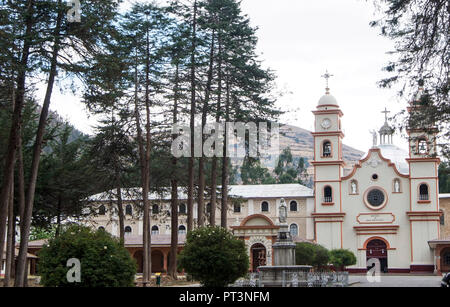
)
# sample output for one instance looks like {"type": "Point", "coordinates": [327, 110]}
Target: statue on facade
{"type": "Point", "coordinates": [283, 211]}
{"type": "Point", "coordinates": [354, 187]}
{"type": "Point", "coordinates": [374, 137]}
{"type": "Point", "coordinates": [397, 186]}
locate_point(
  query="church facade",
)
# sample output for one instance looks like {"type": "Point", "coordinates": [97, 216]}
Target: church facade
{"type": "Point", "coordinates": [386, 210]}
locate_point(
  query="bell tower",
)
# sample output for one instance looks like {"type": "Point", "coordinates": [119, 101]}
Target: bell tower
{"type": "Point", "coordinates": [328, 170]}
{"type": "Point", "coordinates": [423, 164]}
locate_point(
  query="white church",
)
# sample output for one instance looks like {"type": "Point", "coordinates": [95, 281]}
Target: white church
{"type": "Point", "coordinates": [387, 207]}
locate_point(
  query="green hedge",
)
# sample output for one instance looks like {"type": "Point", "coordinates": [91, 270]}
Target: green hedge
{"type": "Point", "coordinates": [311, 254]}
{"type": "Point", "coordinates": [213, 256]}
{"type": "Point", "coordinates": [104, 262]}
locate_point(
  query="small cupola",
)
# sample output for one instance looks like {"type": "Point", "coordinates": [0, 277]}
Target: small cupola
{"type": "Point", "coordinates": [386, 132]}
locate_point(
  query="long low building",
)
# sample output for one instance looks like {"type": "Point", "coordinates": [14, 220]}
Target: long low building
{"type": "Point", "coordinates": [252, 215]}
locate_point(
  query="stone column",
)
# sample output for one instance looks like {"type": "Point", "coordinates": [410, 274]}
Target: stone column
{"type": "Point", "coordinates": [165, 255]}
{"type": "Point", "coordinates": [437, 259]}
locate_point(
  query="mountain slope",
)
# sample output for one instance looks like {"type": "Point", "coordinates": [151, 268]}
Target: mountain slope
{"type": "Point", "coordinates": [301, 143]}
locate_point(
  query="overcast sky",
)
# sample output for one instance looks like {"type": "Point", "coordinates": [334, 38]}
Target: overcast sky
{"type": "Point", "coordinates": [299, 40]}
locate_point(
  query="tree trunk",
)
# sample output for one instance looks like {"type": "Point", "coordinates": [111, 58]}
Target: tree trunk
{"type": "Point", "coordinates": [174, 186]}
{"type": "Point", "coordinates": [201, 173]}
{"type": "Point", "coordinates": [25, 232]}
{"type": "Point", "coordinates": [15, 127]}
{"type": "Point", "coordinates": [145, 276]}
{"type": "Point", "coordinates": [10, 238]}
{"type": "Point", "coordinates": [148, 241]}
{"type": "Point", "coordinates": [225, 162]}
{"type": "Point", "coordinates": [58, 216]}
{"type": "Point", "coordinates": [174, 227]}
{"type": "Point", "coordinates": [190, 201]}
{"type": "Point", "coordinates": [145, 190]}
{"type": "Point", "coordinates": [121, 215]}
{"type": "Point", "coordinates": [212, 217]}
{"type": "Point", "coordinates": [21, 179]}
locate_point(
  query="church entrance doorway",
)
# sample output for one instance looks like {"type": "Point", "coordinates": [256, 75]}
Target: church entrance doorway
{"type": "Point", "coordinates": [258, 254]}
{"type": "Point", "coordinates": [377, 249]}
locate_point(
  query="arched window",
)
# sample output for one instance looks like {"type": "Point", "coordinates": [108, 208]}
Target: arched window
{"type": "Point", "coordinates": [182, 209]}
{"type": "Point", "coordinates": [237, 208]}
{"type": "Point", "coordinates": [128, 210]}
{"type": "Point", "coordinates": [326, 149]}
{"type": "Point", "coordinates": [101, 228]}
{"type": "Point", "coordinates": [155, 230]}
{"type": "Point", "coordinates": [327, 194]}
{"type": "Point", "coordinates": [155, 209]}
{"type": "Point", "coordinates": [293, 230]}
{"type": "Point", "coordinates": [423, 192]}
{"type": "Point", "coordinates": [264, 206]}
{"type": "Point", "coordinates": [102, 210]}
{"type": "Point", "coordinates": [422, 146]}
{"type": "Point", "coordinates": [181, 229]}
{"type": "Point", "coordinates": [128, 230]}
{"type": "Point", "coordinates": [293, 206]}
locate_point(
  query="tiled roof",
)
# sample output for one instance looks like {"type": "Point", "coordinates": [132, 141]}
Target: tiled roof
{"type": "Point", "coordinates": [434, 243]}
{"type": "Point", "coordinates": [16, 254]}
{"type": "Point", "coordinates": [443, 240]}
{"type": "Point", "coordinates": [243, 191]}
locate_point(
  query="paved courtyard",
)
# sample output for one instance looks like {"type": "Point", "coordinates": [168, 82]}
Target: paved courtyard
{"type": "Point", "coordinates": [397, 281]}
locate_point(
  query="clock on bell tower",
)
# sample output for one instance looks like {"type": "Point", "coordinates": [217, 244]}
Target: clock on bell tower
{"type": "Point", "coordinates": [328, 170]}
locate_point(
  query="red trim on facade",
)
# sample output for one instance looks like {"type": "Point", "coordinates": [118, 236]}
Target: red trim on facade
{"type": "Point", "coordinates": [272, 225]}
{"type": "Point", "coordinates": [337, 214]}
{"type": "Point", "coordinates": [360, 162]}
{"type": "Point", "coordinates": [319, 112]}
{"type": "Point", "coordinates": [422, 268]}
{"type": "Point", "coordinates": [377, 238]}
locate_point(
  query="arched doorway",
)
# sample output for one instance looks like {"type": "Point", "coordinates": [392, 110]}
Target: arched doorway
{"type": "Point", "coordinates": [377, 249]}
{"type": "Point", "coordinates": [258, 254]}
{"type": "Point", "coordinates": [139, 257]}
{"type": "Point", "coordinates": [157, 261]}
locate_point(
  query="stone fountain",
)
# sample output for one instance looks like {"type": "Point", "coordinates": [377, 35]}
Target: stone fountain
{"type": "Point", "coordinates": [284, 272]}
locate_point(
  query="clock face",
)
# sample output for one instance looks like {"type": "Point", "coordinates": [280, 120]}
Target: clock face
{"type": "Point", "coordinates": [326, 123]}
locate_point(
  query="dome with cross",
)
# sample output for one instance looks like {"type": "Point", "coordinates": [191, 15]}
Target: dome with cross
{"type": "Point", "coordinates": [327, 100]}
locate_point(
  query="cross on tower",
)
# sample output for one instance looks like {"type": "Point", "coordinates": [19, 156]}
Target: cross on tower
{"type": "Point", "coordinates": [327, 76]}
{"type": "Point", "coordinates": [386, 112]}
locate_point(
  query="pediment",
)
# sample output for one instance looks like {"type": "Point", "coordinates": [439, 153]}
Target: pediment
{"type": "Point", "coordinates": [374, 159]}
